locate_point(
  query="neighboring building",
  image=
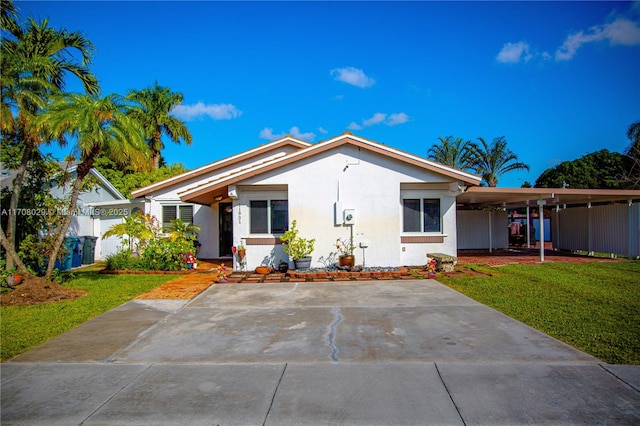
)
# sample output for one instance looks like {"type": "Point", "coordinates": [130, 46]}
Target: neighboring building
{"type": "Point", "coordinates": [396, 205]}
{"type": "Point", "coordinates": [97, 209]}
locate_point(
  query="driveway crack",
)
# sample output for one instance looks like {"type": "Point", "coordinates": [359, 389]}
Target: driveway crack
{"type": "Point", "coordinates": [449, 393]}
{"type": "Point", "coordinates": [332, 333]}
{"type": "Point", "coordinates": [275, 392]}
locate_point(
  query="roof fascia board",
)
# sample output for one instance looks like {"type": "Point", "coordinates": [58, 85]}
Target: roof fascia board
{"type": "Point", "coordinates": [325, 146]}
{"type": "Point", "coordinates": [221, 163]}
{"type": "Point", "coordinates": [107, 184]}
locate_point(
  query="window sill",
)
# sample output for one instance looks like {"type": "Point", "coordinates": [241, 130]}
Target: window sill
{"type": "Point", "coordinates": [422, 238]}
{"type": "Point", "coordinates": [266, 240]}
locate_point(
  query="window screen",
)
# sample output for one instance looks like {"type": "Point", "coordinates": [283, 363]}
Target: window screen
{"type": "Point", "coordinates": [258, 217]}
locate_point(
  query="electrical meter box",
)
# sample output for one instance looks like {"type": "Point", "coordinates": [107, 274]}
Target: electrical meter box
{"type": "Point", "coordinates": [349, 216]}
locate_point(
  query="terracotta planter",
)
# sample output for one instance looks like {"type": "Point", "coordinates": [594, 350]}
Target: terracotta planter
{"type": "Point", "coordinates": [263, 270]}
{"type": "Point", "coordinates": [17, 279]}
{"type": "Point", "coordinates": [349, 261]}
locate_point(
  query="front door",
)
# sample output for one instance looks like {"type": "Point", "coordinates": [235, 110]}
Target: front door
{"type": "Point", "coordinates": [225, 214]}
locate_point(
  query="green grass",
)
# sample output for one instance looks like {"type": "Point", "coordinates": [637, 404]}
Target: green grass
{"type": "Point", "coordinates": [594, 307]}
{"type": "Point", "coordinates": [25, 327]}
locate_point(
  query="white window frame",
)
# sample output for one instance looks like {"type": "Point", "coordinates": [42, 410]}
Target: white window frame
{"type": "Point", "coordinates": [177, 206]}
{"type": "Point", "coordinates": [421, 198]}
{"type": "Point", "coordinates": [268, 200]}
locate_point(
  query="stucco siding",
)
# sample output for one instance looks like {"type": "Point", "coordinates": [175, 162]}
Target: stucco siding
{"type": "Point", "coordinates": [368, 183]}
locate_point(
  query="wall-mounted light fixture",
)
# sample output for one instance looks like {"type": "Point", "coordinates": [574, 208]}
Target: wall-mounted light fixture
{"type": "Point", "coordinates": [218, 198]}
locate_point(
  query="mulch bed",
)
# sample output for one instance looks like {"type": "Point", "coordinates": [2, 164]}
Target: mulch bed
{"type": "Point", "coordinates": [36, 291]}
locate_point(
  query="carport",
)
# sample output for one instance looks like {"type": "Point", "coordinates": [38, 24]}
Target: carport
{"type": "Point", "coordinates": [592, 220]}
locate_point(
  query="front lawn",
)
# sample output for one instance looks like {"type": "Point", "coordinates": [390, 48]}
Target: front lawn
{"type": "Point", "coordinates": [25, 327]}
{"type": "Point", "coordinates": [594, 307]}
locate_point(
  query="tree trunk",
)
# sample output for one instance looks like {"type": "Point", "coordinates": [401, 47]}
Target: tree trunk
{"type": "Point", "coordinates": [15, 195]}
{"type": "Point", "coordinates": [82, 171]}
{"type": "Point", "coordinates": [11, 254]}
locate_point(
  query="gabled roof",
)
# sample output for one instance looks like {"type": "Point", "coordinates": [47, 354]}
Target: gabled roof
{"type": "Point", "coordinates": [226, 162]}
{"type": "Point", "coordinates": [199, 193]}
{"type": "Point", "coordinates": [9, 175]}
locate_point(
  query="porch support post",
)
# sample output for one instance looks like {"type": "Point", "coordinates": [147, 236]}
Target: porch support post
{"type": "Point", "coordinates": [541, 204]}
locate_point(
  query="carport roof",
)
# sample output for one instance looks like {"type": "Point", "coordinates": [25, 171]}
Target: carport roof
{"type": "Point", "coordinates": [522, 197]}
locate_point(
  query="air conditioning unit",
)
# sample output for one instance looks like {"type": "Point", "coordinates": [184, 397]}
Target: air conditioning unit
{"type": "Point", "coordinates": [349, 216]}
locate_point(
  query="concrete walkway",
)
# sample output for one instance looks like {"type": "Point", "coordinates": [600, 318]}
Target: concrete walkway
{"type": "Point", "coordinates": [375, 353]}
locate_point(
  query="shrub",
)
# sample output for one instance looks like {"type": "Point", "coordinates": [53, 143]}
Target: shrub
{"type": "Point", "coordinates": [165, 255]}
{"type": "Point", "coordinates": [296, 246]}
{"type": "Point", "coordinates": [123, 261]}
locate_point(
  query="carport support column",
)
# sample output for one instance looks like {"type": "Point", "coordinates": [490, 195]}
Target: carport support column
{"type": "Point", "coordinates": [556, 246]}
{"type": "Point", "coordinates": [528, 227]}
{"type": "Point", "coordinates": [490, 231]}
{"type": "Point", "coordinates": [541, 204]}
{"type": "Point", "coordinates": [589, 245]}
{"type": "Point", "coordinates": [631, 230]}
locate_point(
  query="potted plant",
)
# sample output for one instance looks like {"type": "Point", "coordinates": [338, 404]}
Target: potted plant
{"type": "Point", "coordinates": [11, 277]}
{"type": "Point", "coordinates": [283, 266]}
{"type": "Point", "coordinates": [242, 251]}
{"type": "Point", "coordinates": [299, 249]}
{"type": "Point", "coordinates": [345, 248]}
{"type": "Point", "coordinates": [263, 269]}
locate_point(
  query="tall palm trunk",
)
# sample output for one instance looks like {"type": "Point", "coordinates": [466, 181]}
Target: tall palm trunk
{"type": "Point", "coordinates": [82, 171]}
{"type": "Point", "coordinates": [10, 235]}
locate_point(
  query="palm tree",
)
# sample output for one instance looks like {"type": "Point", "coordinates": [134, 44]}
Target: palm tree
{"type": "Point", "coordinates": [178, 230]}
{"type": "Point", "coordinates": [99, 126]}
{"type": "Point", "coordinates": [633, 133]}
{"type": "Point", "coordinates": [156, 104]}
{"type": "Point", "coordinates": [35, 62]}
{"type": "Point", "coordinates": [492, 161]}
{"type": "Point", "coordinates": [453, 153]}
{"type": "Point", "coordinates": [633, 152]}
{"type": "Point", "coordinates": [137, 228]}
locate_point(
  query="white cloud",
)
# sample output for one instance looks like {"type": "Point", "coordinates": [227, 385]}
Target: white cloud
{"type": "Point", "coordinates": [621, 31]}
{"type": "Point", "coordinates": [377, 118]}
{"type": "Point", "coordinates": [307, 136]}
{"type": "Point", "coordinates": [200, 109]}
{"type": "Point", "coordinates": [381, 118]}
{"type": "Point", "coordinates": [353, 76]}
{"type": "Point", "coordinates": [513, 53]}
{"type": "Point", "coordinates": [267, 133]}
{"type": "Point", "coordinates": [323, 130]}
{"type": "Point", "coordinates": [397, 118]}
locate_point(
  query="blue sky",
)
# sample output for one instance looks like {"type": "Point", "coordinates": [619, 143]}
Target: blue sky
{"type": "Point", "coordinates": [557, 79]}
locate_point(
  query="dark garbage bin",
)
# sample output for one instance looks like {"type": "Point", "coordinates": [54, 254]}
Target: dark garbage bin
{"type": "Point", "coordinates": [76, 258]}
{"type": "Point", "coordinates": [65, 263]}
{"type": "Point", "coordinates": [89, 251]}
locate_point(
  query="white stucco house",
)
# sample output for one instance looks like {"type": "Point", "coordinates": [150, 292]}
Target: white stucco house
{"type": "Point", "coordinates": [396, 205]}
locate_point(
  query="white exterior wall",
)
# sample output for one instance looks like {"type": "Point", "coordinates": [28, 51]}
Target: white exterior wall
{"type": "Point", "coordinates": [204, 216]}
{"type": "Point", "coordinates": [102, 222]}
{"type": "Point", "coordinates": [475, 226]}
{"type": "Point", "coordinates": [371, 185]}
{"type": "Point", "coordinates": [90, 220]}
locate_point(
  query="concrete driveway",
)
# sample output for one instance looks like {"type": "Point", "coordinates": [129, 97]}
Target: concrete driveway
{"type": "Point", "coordinates": [375, 353]}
